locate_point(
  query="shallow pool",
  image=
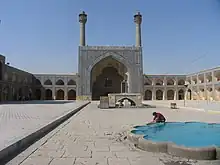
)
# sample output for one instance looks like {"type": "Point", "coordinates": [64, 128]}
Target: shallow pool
{"type": "Point", "coordinates": [189, 134]}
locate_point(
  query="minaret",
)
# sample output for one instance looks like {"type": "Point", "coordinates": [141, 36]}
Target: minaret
{"type": "Point", "coordinates": [138, 20]}
{"type": "Point", "coordinates": [82, 21]}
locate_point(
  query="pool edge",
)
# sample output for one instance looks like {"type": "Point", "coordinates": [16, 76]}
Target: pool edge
{"type": "Point", "coordinates": [218, 153]}
{"type": "Point", "coordinates": [205, 153]}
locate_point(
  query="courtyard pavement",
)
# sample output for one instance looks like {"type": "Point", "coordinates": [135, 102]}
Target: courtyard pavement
{"type": "Point", "coordinates": [95, 137]}
{"type": "Point", "coordinates": [202, 105]}
{"type": "Point", "coordinates": [19, 120]}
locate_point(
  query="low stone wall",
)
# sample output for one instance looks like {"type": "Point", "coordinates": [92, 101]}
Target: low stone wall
{"type": "Point", "coordinates": [208, 153]}
{"type": "Point", "coordinates": [218, 153]}
{"type": "Point", "coordinates": [11, 151]}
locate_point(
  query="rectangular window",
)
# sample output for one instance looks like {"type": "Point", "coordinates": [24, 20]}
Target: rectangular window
{"type": "Point", "coordinates": [123, 87]}
{"type": "Point", "coordinates": [108, 83]}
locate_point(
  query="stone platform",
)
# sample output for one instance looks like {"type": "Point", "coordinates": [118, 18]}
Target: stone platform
{"type": "Point", "coordinates": [17, 121]}
{"type": "Point", "coordinates": [96, 136]}
{"type": "Point", "coordinates": [129, 100]}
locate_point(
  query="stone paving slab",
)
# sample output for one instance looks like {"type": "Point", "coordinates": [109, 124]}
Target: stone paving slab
{"type": "Point", "coordinates": [19, 120]}
{"type": "Point", "coordinates": [93, 137]}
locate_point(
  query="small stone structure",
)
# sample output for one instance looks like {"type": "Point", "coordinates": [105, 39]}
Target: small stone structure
{"type": "Point", "coordinates": [173, 105]}
{"type": "Point", "coordinates": [104, 102]}
{"type": "Point", "coordinates": [123, 99]}
{"type": "Point", "coordinates": [127, 100]}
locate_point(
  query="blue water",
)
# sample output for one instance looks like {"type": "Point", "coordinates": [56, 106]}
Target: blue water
{"type": "Point", "coordinates": [189, 134]}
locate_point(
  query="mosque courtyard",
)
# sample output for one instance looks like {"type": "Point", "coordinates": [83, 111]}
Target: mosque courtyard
{"type": "Point", "coordinates": [96, 137]}
{"type": "Point", "coordinates": [39, 127]}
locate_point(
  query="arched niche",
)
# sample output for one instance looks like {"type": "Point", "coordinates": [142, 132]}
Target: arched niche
{"type": "Point", "coordinates": [106, 77]}
{"type": "Point", "coordinates": [48, 82]}
{"type": "Point", "coordinates": [59, 82]}
{"type": "Point", "coordinates": [71, 82]}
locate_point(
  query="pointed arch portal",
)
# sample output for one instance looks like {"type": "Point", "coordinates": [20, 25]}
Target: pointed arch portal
{"type": "Point", "coordinates": [37, 94]}
{"type": "Point", "coordinates": [71, 94]}
{"type": "Point", "coordinates": [148, 95]}
{"type": "Point", "coordinates": [170, 94]}
{"type": "Point", "coordinates": [181, 94]}
{"type": "Point", "coordinates": [60, 95]}
{"type": "Point", "coordinates": [106, 77]}
{"type": "Point", "coordinates": [159, 94]}
{"type": "Point", "coordinates": [48, 94]}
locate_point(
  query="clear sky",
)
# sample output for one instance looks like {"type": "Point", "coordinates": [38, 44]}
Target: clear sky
{"type": "Point", "coordinates": [178, 36]}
